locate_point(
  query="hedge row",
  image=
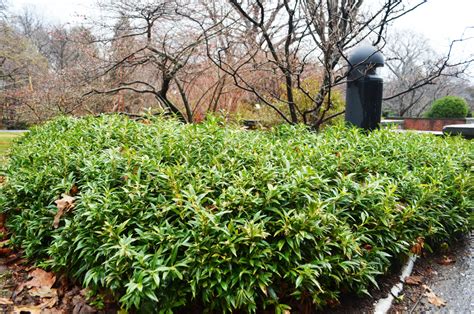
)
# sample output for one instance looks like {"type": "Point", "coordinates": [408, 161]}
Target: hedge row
{"type": "Point", "coordinates": [170, 216]}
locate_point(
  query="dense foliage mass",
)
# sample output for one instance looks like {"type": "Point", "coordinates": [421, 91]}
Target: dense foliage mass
{"type": "Point", "coordinates": [448, 107]}
{"type": "Point", "coordinates": [174, 216]}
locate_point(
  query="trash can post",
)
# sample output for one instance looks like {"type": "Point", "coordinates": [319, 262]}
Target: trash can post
{"type": "Point", "coordinates": [364, 88]}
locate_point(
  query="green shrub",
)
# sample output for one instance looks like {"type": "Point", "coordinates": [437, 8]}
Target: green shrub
{"type": "Point", "coordinates": [175, 216]}
{"type": "Point", "coordinates": [448, 107]}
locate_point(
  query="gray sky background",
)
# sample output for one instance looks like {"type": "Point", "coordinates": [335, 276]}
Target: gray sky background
{"type": "Point", "coordinates": [439, 20]}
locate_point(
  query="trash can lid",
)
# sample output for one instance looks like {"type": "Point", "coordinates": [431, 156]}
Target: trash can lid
{"type": "Point", "coordinates": [366, 54]}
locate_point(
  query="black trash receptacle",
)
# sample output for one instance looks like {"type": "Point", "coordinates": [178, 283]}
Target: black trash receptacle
{"type": "Point", "coordinates": [364, 88]}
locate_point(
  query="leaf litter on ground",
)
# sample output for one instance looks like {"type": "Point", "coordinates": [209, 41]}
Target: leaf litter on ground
{"type": "Point", "coordinates": [414, 280]}
{"type": "Point", "coordinates": [446, 260]}
{"type": "Point", "coordinates": [35, 294]}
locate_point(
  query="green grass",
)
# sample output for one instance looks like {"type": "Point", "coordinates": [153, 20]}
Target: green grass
{"type": "Point", "coordinates": [6, 139]}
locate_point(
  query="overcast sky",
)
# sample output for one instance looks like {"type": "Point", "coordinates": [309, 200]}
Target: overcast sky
{"type": "Point", "coordinates": [439, 20]}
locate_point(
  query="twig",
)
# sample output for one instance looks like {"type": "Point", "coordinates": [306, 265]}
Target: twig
{"type": "Point", "coordinates": [416, 304]}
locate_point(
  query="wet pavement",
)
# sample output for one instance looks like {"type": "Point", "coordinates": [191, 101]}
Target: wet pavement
{"type": "Point", "coordinates": [449, 277]}
{"type": "Point", "coordinates": [455, 283]}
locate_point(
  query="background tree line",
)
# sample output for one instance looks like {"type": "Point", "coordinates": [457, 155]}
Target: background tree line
{"type": "Point", "coordinates": [276, 60]}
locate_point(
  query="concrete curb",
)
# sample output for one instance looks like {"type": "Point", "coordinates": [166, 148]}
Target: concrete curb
{"type": "Point", "coordinates": [382, 306]}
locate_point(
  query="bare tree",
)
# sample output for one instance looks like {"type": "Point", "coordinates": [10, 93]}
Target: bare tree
{"type": "Point", "coordinates": [418, 75]}
{"type": "Point", "coordinates": [163, 47]}
{"type": "Point", "coordinates": [20, 63]}
{"type": "Point", "coordinates": [189, 58]}
{"type": "Point", "coordinates": [210, 88]}
{"type": "Point", "coordinates": [3, 9]}
{"type": "Point", "coordinates": [288, 39]}
{"type": "Point", "coordinates": [33, 27]}
{"type": "Point", "coordinates": [18, 58]}
{"type": "Point", "coordinates": [48, 83]}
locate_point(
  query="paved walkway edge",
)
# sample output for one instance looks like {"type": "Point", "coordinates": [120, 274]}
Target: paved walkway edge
{"type": "Point", "coordinates": [383, 305]}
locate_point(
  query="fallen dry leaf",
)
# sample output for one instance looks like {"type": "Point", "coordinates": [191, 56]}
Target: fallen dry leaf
{"type": "Point", "coordinates": [65, 204]}
{"type": "Point", "coordinates": [4, 251]}
{"type": "Point", "coordinates": [400, 207]}
{"type": "Point", "coordinates": [53, 311]}
{"type": "Point", "coordinates": [333, 303]}
{"type": "Point", "coordinates": [49, 302]}
{"type": "Point", "coordinates": [74, 190]}
{"type": "Point", "coordinates": [30, 309]}
{"type": "Point", "coordinates": [5, 301]}
{"type": "Point", "coordinates": [434, 299]}
{"type": "Point", "coordinates": [426, 287]}
{"type": "Point", "coordinates": [62, 283]}
{"type": "Point", "coordinates": [15, 260]}
{"type": "Point", "coordinates": [418, 246]}
{"type": "Point", "coordinates": [39, 279]}
{"type": "Point", "coordinates": [413, 280]}
{"type": "Point", "coordinates": [446, 261]}
{"type": "Point", "coordinates": [43, 292]}
{"type": "Point", "coordinates": [81, 306]}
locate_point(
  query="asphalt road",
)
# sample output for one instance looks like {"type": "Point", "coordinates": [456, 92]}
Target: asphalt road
{"type": "Point", "coordinates": [453, 283]}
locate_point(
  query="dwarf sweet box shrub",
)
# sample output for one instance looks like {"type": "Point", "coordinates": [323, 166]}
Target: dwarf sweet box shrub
{"type": "Point", "coordinates": [171, 217]}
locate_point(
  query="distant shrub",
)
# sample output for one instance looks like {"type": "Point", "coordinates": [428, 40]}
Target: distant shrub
{"type": "Point", "coordinates": [448, 107]}
{"type": "Point", "coordinates": [182, 217]}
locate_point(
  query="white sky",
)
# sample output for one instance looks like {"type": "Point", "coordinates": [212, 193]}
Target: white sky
{"type": "Point", "coordinates": [442, 21]}
{"type": "Point", "coordinates": [57, 11]}
{"type": "Point", "coordinates": [439, 20]}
